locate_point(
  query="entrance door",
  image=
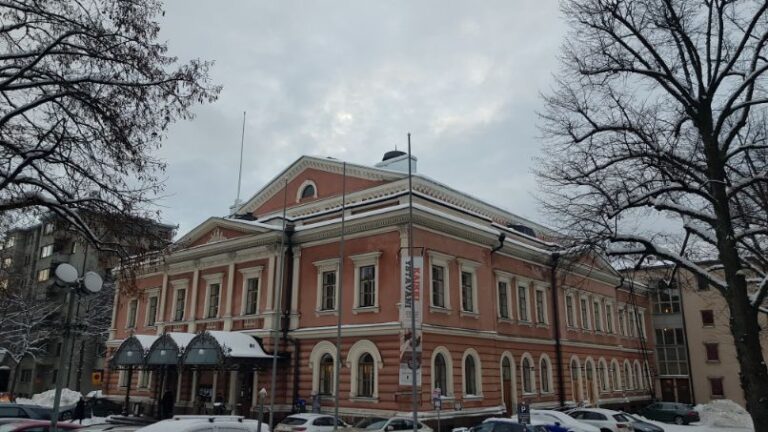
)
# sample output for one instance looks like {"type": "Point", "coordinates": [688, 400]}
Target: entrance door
{"type": "Point", "coordinates": [683, 390]}
{"type": "Point", "coordinates": [4, 378]}
{"type": "Point", "coordinates": [506, 385]}
{"type": "Point", "coordinates": [245, 393]}
{"type": "Point", "coordinates": [668, 390]}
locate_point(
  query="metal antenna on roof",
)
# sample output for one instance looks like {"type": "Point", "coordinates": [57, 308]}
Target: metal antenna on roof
{"type": "Point", "coordinates": [240, 171]}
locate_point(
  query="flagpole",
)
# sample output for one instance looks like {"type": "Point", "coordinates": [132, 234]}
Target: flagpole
{"type": "Point", "coordinates": [414, 366]}
{"type": "Point", "coordinates": [278, 311]}
{"type": "Point", "coordinates": [340, 297]}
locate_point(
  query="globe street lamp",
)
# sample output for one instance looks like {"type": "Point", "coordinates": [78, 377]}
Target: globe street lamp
{"type": "Point", "coordinates": [67, 278]}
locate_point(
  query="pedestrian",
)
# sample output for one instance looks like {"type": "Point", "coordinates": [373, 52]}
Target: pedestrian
{"type": "Point", "coordinates": [79, 413]}
{"type": "Point", "coordinates": [218, 404]}
{"type": "Point", "coordinates": [166, 404]}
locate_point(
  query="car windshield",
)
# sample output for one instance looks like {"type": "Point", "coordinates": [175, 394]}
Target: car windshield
{"type": "Point", "coordinates": [621, 418]}
{"type": "Point", "coordinates": [371, 423]}
{"type": "Point", "coordinates": [631, 417]}
{"type": "Point", "coordinates": [293, 421]}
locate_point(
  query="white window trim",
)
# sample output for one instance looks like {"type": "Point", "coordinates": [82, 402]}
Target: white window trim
{"type": "Point", "coordinates": [545, 358]}
{"type": "Point", "coordinates": [478, 375]}
{"type": "Point", "coordinates": [574, 321]}
{"type": "Point", "coordinates": [318, 351]}
{"type": "Point", "coordinates": [545, 305]}
{"type": "Point", "coordinates": [250, 273]}
{"type": "Point", "coordinates": [322, 267]}
{"type": "Point", "coordinates": [135, 315]}
{"type": "Point", "coordinates": [178, 285]}
{"type": "Point", "coordinates": [533, 375]}
{"type": "Point", "coordinates": [362, 260]}
{"type": "Point", "coordinates": [154, 292]}
{"type": "Point", "coordinates": [585, 325]}
{"type": "Point", "coordinates": [470, 267]}
{"type": "Point", "coordinates": [444, 261]}
{"type": "Point", "coordinates": [301, 189]}
{"type": "Point", "coordinates": [526, 284]}
{"type": "Point", "coordinates": [446, 393]}
{"type": "Point", "coordinates": [509, 279]}
{"type": "Point", "coordinates": [361, 347]}
{"type": "Point", "coordinates": [212, 279]}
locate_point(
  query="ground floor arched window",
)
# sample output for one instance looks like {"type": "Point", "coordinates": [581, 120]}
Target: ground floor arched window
{"type": "Point", "coordinates": [365, 375]}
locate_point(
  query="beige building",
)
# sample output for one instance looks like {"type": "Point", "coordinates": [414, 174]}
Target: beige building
{"type": "Point", "coordinates": [696, 356]}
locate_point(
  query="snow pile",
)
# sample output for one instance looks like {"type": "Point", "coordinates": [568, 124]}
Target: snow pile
{"type": "Point", "coordinates": [68, 397]}
{"type": "Point", "coordinates": [724, 413]}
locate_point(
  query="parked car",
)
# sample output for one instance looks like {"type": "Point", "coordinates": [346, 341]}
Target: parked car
{"type": "Point", "coordinates": [309, 422]}
{"type": "Point", "coordinates": [36, 426]}
{"type": "Point", "coordinates": [671, 412]}
{"type": "Point", "coordinates": [552, 417]}
{"type": "Point", "coordinates": [109, 427]}
{"type": "Point", "coordinates": [381, 424]}
{"type": "Point", "coordinates": [199, 424]}
{"type": "Point", "coordinates": [103, 407]}
{"type": "Point", "coordinates": [9, 412]}
{"type": "Point", "coordinates": [607, 420]}
{"type": "Point", "coordinates": [641, 425]}
{"type": "Point", "coordinates": [508, 425]}
{"type": "Point", "coordinates": [253, 424]}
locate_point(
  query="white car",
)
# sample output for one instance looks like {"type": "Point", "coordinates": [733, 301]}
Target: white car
{"type": "Point", "coordinates": [553, 417]}
{"type": "Point", "coordinates": [381, 424]}
{"type": "Point", "coordinates": [607, 420]}
{"type": "Point", "coordinates": [309, 422]}
{"type": "Point", "coordinates": [204, 424]}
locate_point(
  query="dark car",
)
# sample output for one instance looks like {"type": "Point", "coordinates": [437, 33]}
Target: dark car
{"type": "Point", "coordinates": [639, 425]}
{"type": "Point", "coordinates": [671, 412]}
{"type": "Point", "coordinates": [10, 411]}
{"type": "Point", "coordinates": [103, 407]}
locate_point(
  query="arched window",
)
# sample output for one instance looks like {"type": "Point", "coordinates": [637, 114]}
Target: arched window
{"type": "Point", "coordinates": [365, 376]}
{"type": "Point", "coordinates": [544, 374]}
{"type": "Point", "coordinates": [639, 382]}
{"type": "Point", "coordinates": [308, 191]}
{"type": "Point", "coordinates": [602, 375]}
{"type": "Point", "coordinates": [576, 380]}
{"type": "Point", "coordinates": [470, 376]}
{"type": "Point", "coordinates": [325, 385]}
{"type": "Point", "coordinates": [615, 375]}
{"type": "Point", "coordinates": [440, 374]}
{"type": "Point", "coordinates": [527, 373]}
{"type": "Point", "coordinates": [627, 377]}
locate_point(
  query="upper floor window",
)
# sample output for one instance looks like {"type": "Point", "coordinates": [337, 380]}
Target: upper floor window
{"type": "Point", "coordinates": [366, 280]}
{"type": "Point", "coordinates": [713, 352]}
{"type": "Point", "coordinates": [570, 317]}
{"type": "Point", "coordinates": [438, 286]}
{"type": "Point", "coordinates": [43, 275]}
{"type": "Point", "coordinates": [46, 251]}
{"type": "Point", "coordinates": [503, 299]}
{"type": "Point", "coordinates": [522, 303]}
{"type": "Point", "coordinates": [716, 387]}
{"type": "Point", "coordinates": [707, 318]}
{"type": "Point", "coordinates": [622, 322]}
{"type": "Point", "coordinates": [584, 313]}
{"type": "Point", "coordinates": [667, 298]}
{"type": "Point", "coordinates": [308, 191]}
{"type": "Point", "coordinates": [251, 295]}
{"type": "Point", "coordinates": [133, 305]}
{"type": "Point", "coordinates": [596, 313]}
{"type": "Point", "coordinates": [214, 294]}
{"type": "Point", "coordinates": [152, 311]}
{"type": "Point", "coordinates": [328, 301]}
{"type": "Point", "coordinates": [608, 318]}
{"type": "Point", "coordinates": [467, 292]}
{"type": "Point", "coordinates": [541, 306]}
{"type": "Point", "coordinates": [178, 308]}
{"type": "Point", "coordinates": [48, 228]}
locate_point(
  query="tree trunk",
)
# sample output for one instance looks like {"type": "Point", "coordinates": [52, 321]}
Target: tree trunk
{"type": "Point", "coordinates": [79, 377]}
{"type": "Point", "coordinates": [14, 378]}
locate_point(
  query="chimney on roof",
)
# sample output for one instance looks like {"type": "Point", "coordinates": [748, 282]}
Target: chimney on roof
{"type": "Point", "coordinates": [397, 160]}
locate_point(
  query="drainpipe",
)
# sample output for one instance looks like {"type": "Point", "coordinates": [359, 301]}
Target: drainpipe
{"type": "Point", "coordinates": [285, 316]}
{"type": "Point", "coordinates": [556, 317]}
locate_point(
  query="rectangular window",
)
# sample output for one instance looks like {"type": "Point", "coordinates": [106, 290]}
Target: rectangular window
{"type": "Point", "coordinates": [467, 292]}
{"type": "Point", "coordinates": [73, 248]}
{"type": "Point", "coordinates": [438, 286]}
{"type": "Point", "coordinates": [178, 314]}
{"type": "Point", "coordinates": [716, 387]}
{"type": "Point", "coordinates": [541, 317]}
{"type": "Point", "coordinates": [152, 311]}
{"type": "Point", "coordinates": [667, 298]}
{"type": "Point", "coordinates": [122, 379]}
{"type": "Point", "coordinates": [7, 262]}
{"type": "Point", "coordinates": [48, 228]}
{"type": "Point", "coordinates": [708, 318]}
{"type": "Point", "coordinates": [26, 376]}
{"type": "Point", "coordinates": [503, 300]}
{"type": "Point", "coordinates": [622, 321]}
{"type": "Point", "coordinates": [584, 313]}
{"type": "Point", "coordinates": [609, 318]}
{"type": "Point", "coordinates": [329, 291]}
{"type": "Point", "coordinates": [43, 275]}
{"type": "Point", "coordinates": [252, 296]}
{"type": "Point", "coordinates": [10, 242]}
{"type": "Point", "coordinates": [702, 283]}
{"type": "Point", "coordinates": [46, 251]}
{"type": "Point", "coordinates": [144, 381]}
{"type": "Point", "coordinates": [713, 353]}
{"type": "Point", "coordinates": [133, 305]}
{"type": "Point", "coordinates": [596, 314]}
{"type": "Point", "coordinates": [214, 292]}
{"type": "Point", "coordinates": [367, 286]}
{"type": "Point", "coordinates": [570, 318]}
{"type": "Point", "coordinates": [522, 302]}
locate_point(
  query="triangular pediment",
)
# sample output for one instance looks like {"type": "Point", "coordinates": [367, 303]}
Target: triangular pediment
{"type": "Point", "coordinates": [325, 174]}
{"type": "Point", "coordinates": [217, 229]}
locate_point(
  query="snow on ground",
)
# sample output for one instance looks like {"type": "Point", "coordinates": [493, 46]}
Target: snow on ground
{"type": "Point", "coordinates": [68, 397]}
{"type": "Point", "coordinates": [716, 416]}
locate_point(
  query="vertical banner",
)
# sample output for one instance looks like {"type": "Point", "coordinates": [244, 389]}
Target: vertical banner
{"type": "Point", "coordinates": [410, 303]}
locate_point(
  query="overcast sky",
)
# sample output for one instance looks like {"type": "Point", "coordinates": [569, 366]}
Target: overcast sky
{"type": "Point", "coordinates": [349, 79]}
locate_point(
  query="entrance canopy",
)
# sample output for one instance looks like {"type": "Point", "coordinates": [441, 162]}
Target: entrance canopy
{"type": "Point", "coordinates": [168, 349]}
{"type": "Point", "coordinates": [132, 351]}
{"type": "Point", "coordinates": [219, 348]}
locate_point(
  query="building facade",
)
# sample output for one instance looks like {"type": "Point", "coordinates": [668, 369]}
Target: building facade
{"type": "Point", "coordinates": [29, 257]}
{"type": "Point", "coordinates": [502, 318]}
{"type": "Point", "coordinates": [696, 356]}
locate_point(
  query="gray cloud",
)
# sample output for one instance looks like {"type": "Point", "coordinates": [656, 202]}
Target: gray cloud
{"type": "Point", "coordinates": [349, 79]}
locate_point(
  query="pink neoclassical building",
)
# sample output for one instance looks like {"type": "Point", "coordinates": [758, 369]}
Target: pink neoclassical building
{"type": "Point", "coordinates": [503, 318]}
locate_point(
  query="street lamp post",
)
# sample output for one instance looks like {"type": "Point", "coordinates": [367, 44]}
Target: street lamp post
{"type": "Point", "coordinates": [90, 283]}
{"type": "Point", "coordinates": [262, 396]}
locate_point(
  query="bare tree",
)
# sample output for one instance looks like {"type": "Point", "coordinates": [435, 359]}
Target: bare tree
{"type": "Point", "coordinates": [26, 328]}
{"type": "Point", "coordinates": [86, 94]}
{"type": "Point", "coordinates": [655, 137]}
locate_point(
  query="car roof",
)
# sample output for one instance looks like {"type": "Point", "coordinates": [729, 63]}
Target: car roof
{"type": "Point", "coordinates": [599, 410]}
{"type": "Point", "coordinates": [165, 425]}
{"type": "Point", "coordinates": [309, 416]}
{"type": "Point", "coordinates": [60, 425]}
